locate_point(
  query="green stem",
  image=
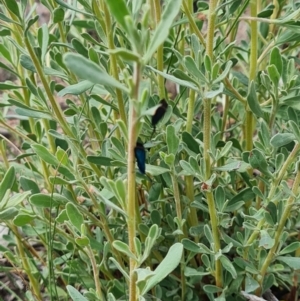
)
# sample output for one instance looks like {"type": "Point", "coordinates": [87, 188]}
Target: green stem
{"type": "Point", "coordinates": [113, 59]}
{"type": "Point", "coordinates": [131, 221]}
{"type": "Point", "coordinates": [207, 142]}
{"type": "Point", "coordinates": [281, 225]}
{"type": "Point", "coordinates": [179, 216]}
{"type": "Point", "coordinates": [160, 53]}
{"type": "Point", "coordinates": [33, 282]}
{"type": "Point", "coordinates": [249, 121]}
{"type": "Point", "coordinates": [176, 195]}
{"type": "Point", "coordinates": [234, 91]}
{"type": "Point", "coordinates": [96, 273]}
{"type": "Point", "coordinates": [192, 23]}
{"type": "Point", "coordinates": [224, 118]}
{"type": "Point", "coordinates": [192, 216]}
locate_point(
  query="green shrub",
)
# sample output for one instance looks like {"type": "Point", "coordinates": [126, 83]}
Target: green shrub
{"type": "Point", "coordinates": [216, 213]}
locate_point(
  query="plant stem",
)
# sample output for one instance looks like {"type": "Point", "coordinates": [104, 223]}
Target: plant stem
{"type": "Point", "coordinates": [114, 66]}
{"type": "Point", "coordinates": [179, 216]}
{"type": "Point", "coordinates": [132, 138]}
{"type": "Point", "coordinates": [189, 182]}
{"type": "Point", "coordinates": [207, 143]}
{"type": "Point", "coordinates": [96, 273]}
{"type": "Point", "coordinates": [33, 282]}
{"type": "Point", "coordinates": [249, 121]}
{"type": "Point", "coordinates": [176, 194]}
{"type": "Point", "coordinates": [282, 222]}
{"type": "Point", "coordinates": [192, 23]}
{"type": "Point", "coordinates": [159, 53]}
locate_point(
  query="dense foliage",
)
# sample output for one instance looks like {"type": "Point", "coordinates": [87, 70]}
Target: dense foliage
{"type": "Point", "coordinates": [213, 212]}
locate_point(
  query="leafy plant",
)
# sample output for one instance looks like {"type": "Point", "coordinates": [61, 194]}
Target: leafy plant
{"type": "Point", "coordinates": [215, 216]}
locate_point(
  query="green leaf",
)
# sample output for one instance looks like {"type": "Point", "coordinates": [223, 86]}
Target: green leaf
{"type": "Point", "coordinates": [33, 114]}
{"type": "Point", "coordinates": [119, 267]}
{"type": "Point", "coordinates": [187, 168]}
{"type": "Point", "coordinates": [225, 150]}
{"type": "Point", "coordinates": [269, 280]}
{"type": "Point", "coordinates": [257, 191]}
{"type": "Point", "coordinates": [99, 160]}
{"type": "Point", "coordinates": [74, 216]}
{"type": "Point", "coordinates": [123, 248]}
{"type": "Point", "coordinates": [253, 101]}
{"type": "Point", "coordinates": [119, 10]}
{"type": "Point", "coordinates": [156, 170]}
{"type": "Point", "coordinates": [153, 234]}
{"type": "Point", "coordinates": [266, 241]}
{"type": "Point", "coordinates": [126, 55]}
{"type": "Point", "coordinates": [239, 166]}
{"type": "Point", "coordinates": [207, 64]}
{"type": "Point", "coordinates": [192, 68]}
{"type": "Point", "coordinates": [19, 104]}
{"type": "Point", "coordinates": [73, 8]}
{"type": "Point", "coordinates": [290, 248]}
{"type": "Point", "coordinates": [273, 74]}
{"type": "Point", "coordinates": [258, 160]}
{"type": "Point", "coordinates": [195, 248]}
{"type": "Point", "coordinates": [5, 32]}
{"type": "Point", "coordinates": [58, 15]}
{"type": "Point", "coordinates": [30, 23]}
{"type": "Point", "coordinates": [295, 129]}
{"type": "Point", "coordinates": [208, 233]}
{"type": "Point", "coordinates": [47, 201]}
{"type": "Point", "coordinates": [76, 89]}
{"type": "Point", "coordinates": [162, 30]}
{"type": "Point", "coordinates": [250, 284]}
{"type": "Point", "coordinates": [176, 80]}
{"type": "Point", "coordinates": [27, 63]}
{"type": "Point", "coordinates": [7, 181]}
{"type": "Point", "coordinates": [266, 12]}
{"type": "Point", "coordinates": [282, 139]}
{"type": "Point", "coordinates": [238, 200]}
{"type": "Point", "coordinates": [191, 143]}
{"type": "Point", "coordinates": [44, 40]}
{"type": "Point", "coordinates": [276, 59]}
{"type": "Point", "coordinates": [82, 241]}
{"type": "Point", "coordinates": [7, 86]}
{"type": "Point", "coordinates": [292, 115]}
{"type": "Point", "coordinates": [74, 294]}
{"type": "Point", "coordinates": [213, 93]}
{"type": "Point", "coordinates": [166, 266]}
{"type": "Point", "coordinates": [292, 262]}
{"type": "Point", "coordinates": [220, 197]}
{"type": "Point", "coordinates": [44, 154]}
{"type": "Point", "coordinates": [5, 52]}
{"type": "Point", "coordinates": [9, 69]}
{"type": "Point", "coordinates": [29, 185]}
{"type": "Point", "coordinates": [212, 289]}
{"type": "Point", "coordinates": [105, 102]}
{"type": "Point", "coordinates": [8, 20]}
{"type": "Point", "coordinates": [88, 70]}
{"type": "Point", "coordinates": [172, 140]}
{"type": "Point", "coordinates": [224, 73]}
{"type": "Point", "coordinates": [22, 219]}
{"type": "Point", "coordinates": [8, 213]}
{"type": "Point", "coordinates": [14, 8]}
{"type": "Point", "coordinates": [79, 47]}
{"type": "Point", "coordinates": [17, 198]}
